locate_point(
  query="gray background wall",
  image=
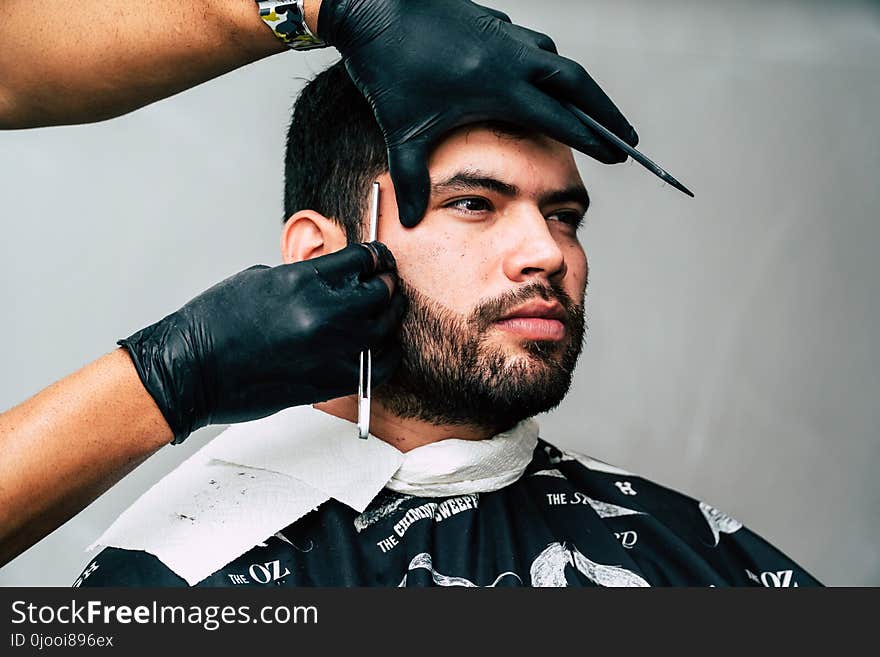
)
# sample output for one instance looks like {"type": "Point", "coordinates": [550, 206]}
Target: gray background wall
{"type": "Point", "coordinates": [730, 351]}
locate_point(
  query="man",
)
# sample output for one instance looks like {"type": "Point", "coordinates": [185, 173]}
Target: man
{"type": "Point", "coordinates": [496, 279]}
{"type": "Point", "coordinates": [79, 62]}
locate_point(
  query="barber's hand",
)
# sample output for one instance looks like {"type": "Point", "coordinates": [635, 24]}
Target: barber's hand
{"type": "Point", "coordinates": [428, 66]}
{"type": "Point", "coordinates": [269, 338]}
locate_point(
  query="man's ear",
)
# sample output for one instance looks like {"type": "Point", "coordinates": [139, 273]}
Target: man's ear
{"type": "Point", "coordinates": [308, 234]}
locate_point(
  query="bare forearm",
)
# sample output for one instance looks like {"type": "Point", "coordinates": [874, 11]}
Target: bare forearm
{"type": "Point", "coordinates": [69, 443]}
{"type": "Point", "coordinates": [77, 61]}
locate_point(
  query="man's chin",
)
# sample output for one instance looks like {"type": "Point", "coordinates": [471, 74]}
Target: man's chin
{"type": "Point", "coordinates": [502, 386]}
{"type": "Point", "coordinates": [528, 353]}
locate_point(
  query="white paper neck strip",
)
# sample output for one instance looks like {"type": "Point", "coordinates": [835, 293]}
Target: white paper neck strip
{"type": "Point", "coordinates": [257, 478]}
{"type": "Point", "coordinates": [458, 467]}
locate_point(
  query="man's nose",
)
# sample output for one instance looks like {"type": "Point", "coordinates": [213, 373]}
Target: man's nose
{"type": "Point", "coordinates": [534, 251]}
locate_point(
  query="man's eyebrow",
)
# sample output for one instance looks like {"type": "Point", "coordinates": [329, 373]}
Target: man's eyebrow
{"type": "Point", "coordinates": [470, 179]}
{"type": "Point", "coordinates": [574, 194]}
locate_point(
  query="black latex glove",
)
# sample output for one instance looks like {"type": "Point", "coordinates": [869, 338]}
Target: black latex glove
{"type": "Point", "coordinates": [269, 338]}
{"type": "Point", "coordinates": [427, 66]}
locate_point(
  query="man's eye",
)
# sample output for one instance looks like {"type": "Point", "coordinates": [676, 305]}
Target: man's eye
{"type": "Point", "coordinates": [471, 205]}
{"type": "Point", "coordinates": [570, 217]}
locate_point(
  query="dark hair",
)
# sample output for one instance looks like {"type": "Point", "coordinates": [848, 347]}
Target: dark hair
{"type": "Point", "coordinates": [335, 149]}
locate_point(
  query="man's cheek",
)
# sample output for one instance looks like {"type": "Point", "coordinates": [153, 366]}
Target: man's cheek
{"type": "Point", "coordinates": [577, 276]}
{"type": "Point", "coordinates": [444, 291]}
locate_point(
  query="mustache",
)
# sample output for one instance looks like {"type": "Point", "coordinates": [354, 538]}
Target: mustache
{"type": "Point", "coordinates": [493, 309]}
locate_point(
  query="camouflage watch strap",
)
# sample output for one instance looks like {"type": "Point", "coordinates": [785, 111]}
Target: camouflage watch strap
{"type": "Point", "coordinates": [285, 19]}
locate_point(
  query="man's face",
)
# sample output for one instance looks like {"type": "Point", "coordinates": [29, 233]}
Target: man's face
{"type": "Point", "coordinates": [495, 277]}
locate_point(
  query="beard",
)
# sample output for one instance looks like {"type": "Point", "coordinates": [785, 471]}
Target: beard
{"type": "Point", "coordinates": [453, 372]}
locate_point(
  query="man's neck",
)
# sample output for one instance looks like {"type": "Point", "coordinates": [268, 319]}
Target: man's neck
{"type": "Point", "coordinates": [403, 434]}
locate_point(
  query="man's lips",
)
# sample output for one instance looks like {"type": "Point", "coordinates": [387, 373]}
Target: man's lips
{"type": "Point", "coordinates": [535, 320]}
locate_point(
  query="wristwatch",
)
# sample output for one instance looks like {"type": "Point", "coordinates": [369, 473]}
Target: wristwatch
{"type": "Point", "coordinates": [286, 19]}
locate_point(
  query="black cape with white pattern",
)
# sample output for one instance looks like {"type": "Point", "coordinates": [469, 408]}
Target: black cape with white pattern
{"type": "Point", "coordinates": [568, 521]}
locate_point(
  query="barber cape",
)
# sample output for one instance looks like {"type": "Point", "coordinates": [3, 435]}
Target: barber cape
{"type": "Point", "coordinates": [297, 499]}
